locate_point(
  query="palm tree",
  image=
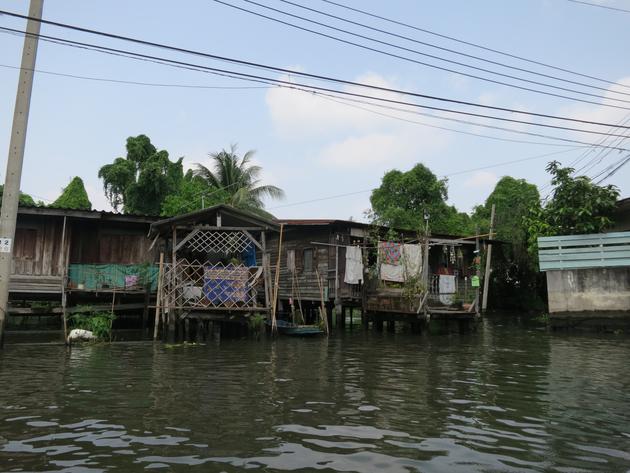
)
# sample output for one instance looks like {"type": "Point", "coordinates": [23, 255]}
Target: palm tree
{"type": "Point", "coordinates": [239, 179]}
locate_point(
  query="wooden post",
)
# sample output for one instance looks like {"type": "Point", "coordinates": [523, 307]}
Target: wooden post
{"type": "Point", "coordinates": [158, 300]}
{"type": "Point", "coordinates": [478, 255]}
{"type": "Point", "coordinates": [337, 295]}
{"type": "Point", "coordinates": [63, 259]}
{"type": "Point", "coordinates": [425, 277]}
{"type": "Point", "coordinates": [322, 307]}
{"type": "Point", "coordinates": [266, 269]}
{"type": "Point", "coordinates": [274, 302]}
{"type": "Point", "coordinates": [172, 310]}
{"type": "Point", "coordinates": [486, 274]}
{"type": "Point", "coordinates": [364, 286]}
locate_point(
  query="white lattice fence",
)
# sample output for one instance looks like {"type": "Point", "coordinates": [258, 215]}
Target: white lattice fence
{"type": "Point", "coordinates": [193, 285]}
{"type": "Point", "coordinates": [226, 242]}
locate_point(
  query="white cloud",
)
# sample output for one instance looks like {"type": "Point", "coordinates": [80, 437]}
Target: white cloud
{"type": "Point", "coordinates": [350, 135]}
{"type": "Point", "coordinates": [482, 180]}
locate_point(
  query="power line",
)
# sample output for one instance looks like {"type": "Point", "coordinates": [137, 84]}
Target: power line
{"type": "Point", "coordinates": [345, 102]}
{"type": "Point", "coordinates": [469, 43]}
{"type": "Point", "coordinates": [149, 84]}
{"type": "Point", "coordinates": [453, 51]}
{"type": "Point", "coordinates": [408, 59]}
{"type": "Point", "coordinates": [299, 73]}
{"type": "Point", "coordinates": [467, 122]}
{"type": "Point", "coordinates": [293, 85]}
{"type": "Point", "coordinates": [607, 7]}
{"type": "Point", "coordinates": [363, 191]}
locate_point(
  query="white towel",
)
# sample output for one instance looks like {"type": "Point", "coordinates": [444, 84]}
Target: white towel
{"type": "Point", "coordinates": [391, 272]}
{"type": "Point", "coordinates": [412, 260]}
{"type": "Point", "coordinates": [447, 287]}
{"type": "Point", "coordinates": [354, 265]}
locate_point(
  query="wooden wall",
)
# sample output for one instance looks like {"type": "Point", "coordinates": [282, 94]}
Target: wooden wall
{"type": "Point", "coordinates": [110, 243]}
{"type": "Point", "coordinates": [37, 246]}
{"type": "Point", "coordinates": [299, 239]}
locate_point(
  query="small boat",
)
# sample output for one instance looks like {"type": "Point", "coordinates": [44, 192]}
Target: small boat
{"type": "Point", "coordinates": [287, 328]}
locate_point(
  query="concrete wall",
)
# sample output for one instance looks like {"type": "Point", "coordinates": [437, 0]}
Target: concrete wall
{"type": "Point", "coordinates": [592, 290]}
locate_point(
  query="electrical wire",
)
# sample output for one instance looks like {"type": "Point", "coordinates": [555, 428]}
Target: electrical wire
{"type": "Point", "coordinates": [449, 50]}
{"type": "Point", "coordinates": [337, 196]}
{"type": "Point", "coordinates": [607, 7]}
{"type": "Point", "coordinates": [408, 59]}
{"type": "Point", "coordinates": [293, 85]}
{"type": "Point", "coordinates": [130, 82]}
{"type": "Point", "coordinates": [288, 71]}
{"type": "Point", "coordinates": [469, 43]}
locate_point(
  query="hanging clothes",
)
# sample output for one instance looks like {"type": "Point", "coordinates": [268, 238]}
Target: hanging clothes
{"type": "Point", "coordinates": [249, 255]}
{"type": "Point", "coordinates": [447, 288]}
{"type": "Point", "coordinates": [390, 259]}
{"type": "Point", "coordinates": [412, 260]}
{"type": "Point", "coordinates": [354, 265]}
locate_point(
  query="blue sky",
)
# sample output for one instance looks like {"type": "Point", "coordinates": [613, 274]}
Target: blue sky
{"type": "Point", "coordinates": [311, 147]}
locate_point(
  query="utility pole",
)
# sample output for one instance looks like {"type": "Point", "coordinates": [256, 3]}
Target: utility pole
{"type": "Point", "coordinates": [486, 274]}
{"type": "Point", "coordinates": [11, 195]}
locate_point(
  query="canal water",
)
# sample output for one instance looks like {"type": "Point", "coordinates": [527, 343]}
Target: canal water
{"type": "Point", "coordinates": [508, 398]}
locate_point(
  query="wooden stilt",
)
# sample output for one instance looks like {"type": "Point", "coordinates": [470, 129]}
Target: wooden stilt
{"type": "Point", "coordinates": [158, 301]}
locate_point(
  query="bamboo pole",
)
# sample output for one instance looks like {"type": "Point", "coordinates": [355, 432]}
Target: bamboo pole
{"type": "Point", "coordinates": [158, 302]}
{"type": "Point", "coordinates": [63, 258]}
{"type": "Point", "coordinates": [274, 302]}
{"type": "Point", "coordinates": [486, 274]}
{"type": "Point", "coordinates": [322, 309]}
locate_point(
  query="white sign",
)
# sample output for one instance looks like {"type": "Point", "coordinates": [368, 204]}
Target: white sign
{"type": "Point", "coordinates": [5, 245]}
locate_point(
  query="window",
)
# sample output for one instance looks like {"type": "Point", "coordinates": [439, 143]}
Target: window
{"type": "Point", "coordinates": [308, 260]}
{"type": "Point", "coordinates": [291, 260]}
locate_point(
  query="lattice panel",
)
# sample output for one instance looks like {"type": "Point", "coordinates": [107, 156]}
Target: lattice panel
{"type": "Point", "coordinates": [192, 285]}
{"type": "Point", "coordinates": [226, 242]}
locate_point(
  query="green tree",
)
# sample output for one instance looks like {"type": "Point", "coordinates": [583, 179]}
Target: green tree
{"type": "Point", "coordinates": [577, 206]}
{"type": "Point", "coordinates": [239, 180]}
{"type": "Point", "coordinates": [73, 196]}
{"type": "Point", "coordinates": [193, 194]}
{"type": "Point", "coordinates": [140, 182]}
{"type": "Point", "coordinates": [515, 281]}
{"type": "Point", "coordinates": [514, 199]}
{"type": "Point", "coordinates": [403, 198]}
{"type": "Point", "coordinates": [25, 199]}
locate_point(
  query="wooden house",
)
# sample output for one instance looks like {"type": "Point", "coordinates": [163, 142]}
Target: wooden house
{"type": "Point", "coordinates": [214, 266]}
{"type": "Point", "coordinates": [315, 267]}
{"type": "Point", "coordinates": [69, 256]}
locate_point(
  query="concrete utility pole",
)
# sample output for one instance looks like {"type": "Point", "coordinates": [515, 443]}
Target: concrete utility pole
{"type": "Point", "coordinates": [11, 195]}
{"type": "Point", "coordinates": [486, 274]}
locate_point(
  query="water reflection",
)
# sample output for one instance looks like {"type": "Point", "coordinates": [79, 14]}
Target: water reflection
{"type": "Point", "coordinates": [510, 399]}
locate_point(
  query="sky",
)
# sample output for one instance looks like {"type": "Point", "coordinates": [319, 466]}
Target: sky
{"type": "Point", "coordinates": [326, 154]}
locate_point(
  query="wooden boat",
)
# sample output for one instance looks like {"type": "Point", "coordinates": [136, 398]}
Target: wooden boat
{"type": "Point", "coordinates": [287, 328]}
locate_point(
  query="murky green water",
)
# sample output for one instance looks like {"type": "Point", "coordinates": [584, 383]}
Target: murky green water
{"type": "Point", "coordinates": [504, 399]}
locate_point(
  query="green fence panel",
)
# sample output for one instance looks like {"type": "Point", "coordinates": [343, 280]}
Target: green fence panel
{"type": "Point", "coordinates": [94, 277]}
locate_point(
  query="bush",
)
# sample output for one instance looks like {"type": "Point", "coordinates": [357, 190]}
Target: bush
{"type": "Point", "coordinates": [99, 323]}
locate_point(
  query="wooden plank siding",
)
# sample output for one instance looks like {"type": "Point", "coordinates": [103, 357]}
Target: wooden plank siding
{"type": "Point", "coordinates": [298, 238]}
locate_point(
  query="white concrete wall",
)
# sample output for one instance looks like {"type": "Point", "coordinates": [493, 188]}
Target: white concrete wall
{"type": "Point", "coordinates": [592, 290]}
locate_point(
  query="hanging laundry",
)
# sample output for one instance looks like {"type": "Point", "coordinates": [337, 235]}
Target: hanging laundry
{"type": "Point", "coordinates": [390, 252]}
{"type": "Point", "coordinates": [447, 288]}
{"type": "Point", "coordinates": [354, 265]}
{"type": "Point", "coordinates": [389, 256]}
{"type": "Point", "coordinates": [412, 260]}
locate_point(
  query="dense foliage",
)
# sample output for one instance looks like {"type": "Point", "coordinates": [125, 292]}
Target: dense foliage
{"type": "Point", "coordinates": [577, 206]}
{"type": "Point", "coordinates": [73, 196]}
{"type": "Point", "coordinates": [238, 180]}
{"type": "Point", "coordinates": [516, 283]}
{"type": "Point", "coordinates": [403, 198]}
{"type": "Point", "coordinates": [141, 181]}
{"type": "Point", "coordinates": [193, 194]}
{"type": "Point", "coordinates": [25, 199]}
